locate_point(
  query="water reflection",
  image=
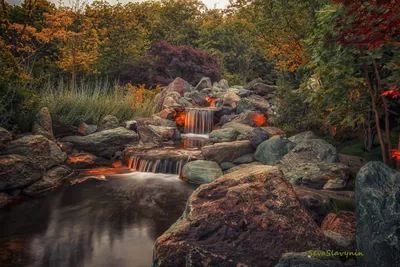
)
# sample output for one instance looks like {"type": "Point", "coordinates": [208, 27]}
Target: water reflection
{"type": "Point", "coordinates": [94, 223]}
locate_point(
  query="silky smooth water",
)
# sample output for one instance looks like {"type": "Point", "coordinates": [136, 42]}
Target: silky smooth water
{"type": "Point", "coordinates": [111, 223]}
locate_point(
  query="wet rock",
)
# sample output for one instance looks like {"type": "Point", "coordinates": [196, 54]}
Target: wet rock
{"type": "Point", "coordinates": [227, 151]}
{"type": "Point", "coordinates": [146, 134]}
{"type": "Point", "coordinates": [223, 135]}
{"type": "Point", "coordinates": [377, 215]}
{"type": "Point", "coordinates": [86, 161]}
{"type": "Point", "coordinates": [205, 82]}
{"type": "Point", "coordinates": [42, 124]}
{"type": "Point", "coordinates": [300, 137]}
{"type": "Point", "coordinates": [302, 259]}
{"type": "Point", "coordinates": [52, 179]}
{"type": "Point", "coordinates": [244, 159]}
{"type": "Point", "coordinates": [318, 175]}
{"type": "Point", "coordinates": [253, 103]}
{"type": "Point", "coordinates": [85, 129]}
{"type": "Point", "coordinates": [17, 171]}
{"type": "Point", "coordinates": [5, 136]}
{"type": "Point", "coordinates": [246, 218]}
{"type": "Point", "coordinates": [108, 122]}
{"type": "Point", "coordinates": [343, 223]}
{"type": "Point", "coordinates": [242, 166]}
{"type": "Point", "coordinates": [274, 149]}
{"type": "Point", "coordinates": [319, 203]}
{"type": "Point", "coordinates": [104, 143]}
{"type": "Point", "coordinates": [257, 136]}
{"type": "Point", "coordinates": [201, 171]}
{"type": "Point", "coordinates": [36, 148]}
{"type": "Point", "coordinates": [165, 133]}
{"type": "Point", "coordinates": [263, 89]}
{"type": "Point", "coordinates": [309, 151]}
{"type": "Point", "coordinates": [4, 199]}
{"type": "Point", "coordinates": [272, 131]}
{"type": "Point", "coordinates": [178, 86]}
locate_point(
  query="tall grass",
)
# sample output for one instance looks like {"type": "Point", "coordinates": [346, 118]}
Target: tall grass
{"type": "Point", "coordinates": [93, 100]}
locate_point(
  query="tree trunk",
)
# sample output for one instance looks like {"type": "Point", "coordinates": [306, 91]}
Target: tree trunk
{"type": "Point", "coordinates": [376, 113]}
{"type": "Point", "coordinates": [398, 162]}
{"type": "Point", "coordinates": [386, 107]}
{"type": "Point", "coordinates": [369, 132]}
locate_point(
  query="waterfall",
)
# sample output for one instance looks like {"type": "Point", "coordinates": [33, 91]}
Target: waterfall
{"type": "Point", "coordinates": [199, 121]}
{"type": "Point", "coordinates": [168, 166]}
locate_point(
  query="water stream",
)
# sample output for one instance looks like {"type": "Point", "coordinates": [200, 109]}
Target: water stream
{"type": "Point", "coordinates": [111, 223]}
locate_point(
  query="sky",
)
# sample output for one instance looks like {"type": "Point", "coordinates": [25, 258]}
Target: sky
{"type": "Point", "coordinates": [209, 3]}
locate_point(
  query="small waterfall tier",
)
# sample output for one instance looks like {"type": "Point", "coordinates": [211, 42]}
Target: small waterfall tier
{"type": "Point", "coordinates": [168, 161]}
{"type": "Point", "coordinates": [199, 120]}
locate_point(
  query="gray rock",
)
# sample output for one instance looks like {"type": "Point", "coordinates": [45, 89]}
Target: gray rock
{"type": "Point", "coordinates": [199, 98]}
{"type": "Point", "coordinates": [178, 85]}
{"type": "Point", "coordinates": [252, 83]}
{"type": "Point", "coordinates": [244, 93]}
{"type": "Point", "coordinates": [165, 133]}
{"type": "Point", "coordinates": [227, 152]}
{"type": "Point", "coordinates": [18, 171]}
{"type": "Point", "coordinates": [108, 122]}
{"type": "Point", "coordinates": [223, 84]}
{"type": "Point", "coordinates": [205, 82]}
{"type": "Point", "coordinates": [185, 102]}
{"type": "Point", "coordinates": [201, 171]}
{"type": "Point", "coordinates": [227, 165]}
{"type": "Point", "coordinates": [85, 129]}
{"type": "Point", "coordinates": [223, 135]}
{"type": "Point", "coordinates": [52, 179]}
{"type": "Point", "coordinates": [302, 137]}
{"type": "Point", "coordinates": [338, 242]}
{"type": "Point", "coordinates": [253, 103]}
{"type": "Point", "coordinates": [273, 150]}
{"type": "Point", "coordinates": [104, 143]}
{"type": "Point", "coordinates": [243, 129]}
{"type": "Point", "coordinates": [272, 131]}
{"type": "Point", "coordinates": [42, 124]}
{"type": "Point", "coordinates": [309, 151]}
{"type": "Point", "coordinates": [257, 136]}
{"type": "Point", "coordinates": [131, 125]}
{"type": "Point", "coordinates": [263, 89]}
{"type": "Point", "coordinates": [302, 259]}
{"type": "Point", "coordinates": [57, 156]}
{"type": "Point", "coordinates": [244, 159]}
{"type": "Point", "coordinates": [318, 175]}
{"type": "Point", "coordinates": [377, 215]}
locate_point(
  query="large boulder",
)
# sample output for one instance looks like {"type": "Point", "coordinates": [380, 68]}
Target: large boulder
{"type": "Point", "coordinates": [104, 143]}
{"type": "Point", "coordinates": [309, 151]}
{"type": "Point", "coordinates": [38, 149]}
{"type": "Point", "coordinates": [223, 84]}
{"type": "Point", "coordinates": [165, 133]}
{"type": "Point", "coordinates": [320, 175]}
{"type": "Point", "coordinates": [18, 171]}
{"type": "Point", "coordinates": [230, 99]}
{"type": "Point", "coordinates": [343, 223]}
{"type": "Point", "coordinates": [204, 83]}
{"type": "Point", "coordinates": [223, 135]}
{"type": "Point", "coordinates": [263, 89]}
{"type": "Point", "coordinates": [243, 129]}
{"type": "Point", "coordinates": [258, 136]}
{"type": "Point", "coordinates": [108, 122]}
{"type": "Point", "coordinates": [52, 179]}
{"type": "Point", "coordinates": [319, 203]}
{"type": "Point", "coordinates": [227, 151]}
{"type": "Point", "coordinates": [308, 259]}
{"type": "Point", "coordinates": [148, 134]}
{"type": "Point", "coordinates": [274, 149]}
{"type": "Point", "coordinates": [199, 98]}
{"type": "Point", "coordinates": [246, 218]}
{"type": "Point", "coordinates": [178, 86]}
{"type": "Point", "coordinates": [378, 215]}
{"type": "Point", "coordinates": [201, 171]}
{"type": "Point", "coordinates": [242, 166]}
{"type": "Point", "coordinates": [42, 124]}
{"type": "Point", "coordinates": [253, 103]}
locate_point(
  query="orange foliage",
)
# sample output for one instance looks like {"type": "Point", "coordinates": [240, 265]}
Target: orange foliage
{"type": "Point", "coordinates": [180, 118]}
{"type": "Point", "coordinates": [395, 154]}
{"type": "Point", "coordinates": [258, 119]}
{"type": "Point", "coordinates": [211, 101]}
{"type": "Point", "coordinates": [79, 158]}
{"type": "Point", "coordinates": [393, 92]}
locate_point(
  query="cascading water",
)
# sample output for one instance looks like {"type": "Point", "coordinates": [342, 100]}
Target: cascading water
{"type": "Point", "coordinates": [140, 164]}
{"type": "Point", "coordinates": [199, 121]}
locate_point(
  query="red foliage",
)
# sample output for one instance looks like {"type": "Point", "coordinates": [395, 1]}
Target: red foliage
{"type": "Point", "coordinates": [395, 154]}
{"type": "Point", "coordinates": [369, 23]}
{"type": "Point", "coordinates": [165, 62]}
{"type": "Point", "coordinates": [392, 92]}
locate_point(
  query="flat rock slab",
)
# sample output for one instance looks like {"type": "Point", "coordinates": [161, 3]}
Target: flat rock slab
{"type": "Point", "coordinates": [228, 151]}
{"type": "Point", "coordinates": [246, 218]}
{"type": "Point", "coordinates": [201, 171]}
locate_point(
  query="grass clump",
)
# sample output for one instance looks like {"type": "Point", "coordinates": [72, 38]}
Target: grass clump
{"type": "Point", "coordinates": [92, 101]}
